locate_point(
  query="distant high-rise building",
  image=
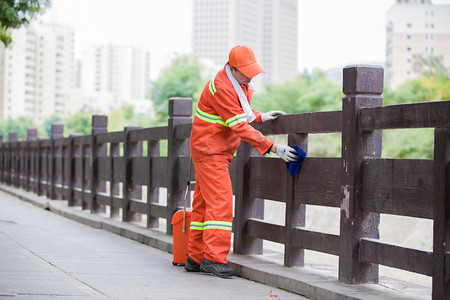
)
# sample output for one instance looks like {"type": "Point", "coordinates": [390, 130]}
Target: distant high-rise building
{"type": "Point", "coordinates": [19, 75]}
{"type": "Point", "coordinates": [38, 72]}
{"type": "Point", "coordinates": [2, 80]}
{"type": "Point", "coordinates": [415, 28]}
{"type": "Point", "coordinates": [41, 78]}
{"type": "Point", "coordinates": [122, 72]}
{"type": "Point", "coordinates": [269, 27]}
{"type": "Point", "coordinates": [55, 70]}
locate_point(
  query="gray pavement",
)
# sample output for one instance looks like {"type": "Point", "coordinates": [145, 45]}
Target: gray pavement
{"type": "Point", "coordinates": [44, 256]}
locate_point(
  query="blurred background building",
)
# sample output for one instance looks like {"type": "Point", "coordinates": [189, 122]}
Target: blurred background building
{"type": "Point", "coordinates": [415, 28]}
{"type": "Point", "coordinates": [269, 27]}
{"type": "Point", "coordinates": [115, 75]}
{"type": "Point", "coordinates": [38, 72]}
{"type": "Point", "coordinates": [41, 77]}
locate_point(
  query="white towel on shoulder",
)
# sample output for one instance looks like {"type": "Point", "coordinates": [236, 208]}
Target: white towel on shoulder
{"type": "Point", "coordinates": [244, 102]}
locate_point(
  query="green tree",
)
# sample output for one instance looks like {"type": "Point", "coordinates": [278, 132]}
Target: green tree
{"type": "Point", "coordinates": [432, 86]}
{"type": "Point", "coordinates": [81, 122]}
{"type": "Point", "coordinates": [20, 124]}
{"type": "Point", "coordinates": [321, 93]}
{"type": "Point", "coordinates": [15, 13]}
{"type": "Point", "coordinates": [408, 143]}
{"type": "Point", "coordinates": [126, 116]}
{"type": "Point", "coordinates": [429, 65]}
{"type": "Point", "coordinates": [47, 125]}
{"type": "Point", "coordinates": [305, 93]}
{"type": "Point", "coordinates": [182, 78]}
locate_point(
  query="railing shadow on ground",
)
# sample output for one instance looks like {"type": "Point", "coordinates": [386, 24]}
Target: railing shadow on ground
{"type": "Point", "coordinates": [122, 173]}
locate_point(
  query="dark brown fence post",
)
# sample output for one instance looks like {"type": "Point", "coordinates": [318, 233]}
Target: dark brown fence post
{"type": "Point", "coordinates": [114, 152]}
{"type": "Point", "coordinates": [295, 214]}
{"type": "Point", "coordinates": [23, 159]}
{"type": "Point", "coordinates": [31, 136]}
{"type": "Point", "coordinates": [2, 158]}
{"type": "Point", "coordinates": [74, 151]}
{"type": "Point", "coordinates": [130, 190]}
{"type": "Point", "coordinates": [39, 168]}
{"type": "Point", "coordinates": [99, 125]}
{"type": "Point", "coordinates": [11, 157]}
{"type": "Point", "coordinates": [20, 163]}
{"type": "Point", "coordinates": [57, 132]}
{"type": "Point", "coordinates": [66, 169]}
{"type": "Point", "coordinates": [85, 176]}
{"type": "Point", "coordinates": [153, 150]}
{"type": "Point", "coordinates": [441, 228]}
{"type": "Point", "coordinates": [245, 207]}
{"type": "Point", "coordinates": [362, 86]}
{"type": "Point", "coordinates": [180, 112]}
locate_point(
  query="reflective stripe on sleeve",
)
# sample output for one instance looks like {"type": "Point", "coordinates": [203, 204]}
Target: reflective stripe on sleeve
{"type": "Point", "coordinates": [209, 118]}
{"type": "Point", "coordinates": [216, 119]}
{"type": "Point", "coordinates": [236, 120]}
{"type": "Point", "coordinates": [218, 225]}
{"type": "Point", "coordinates": [212, 87]}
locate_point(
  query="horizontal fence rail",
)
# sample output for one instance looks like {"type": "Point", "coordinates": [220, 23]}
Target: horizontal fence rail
{"type": "Point", "coordinates": [125, 173]}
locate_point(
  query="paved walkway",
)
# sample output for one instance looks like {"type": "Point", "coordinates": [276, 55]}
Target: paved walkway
{"type": "Point", "coordinates": [44, 256]}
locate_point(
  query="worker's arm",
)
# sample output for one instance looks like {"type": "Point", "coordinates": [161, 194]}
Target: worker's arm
{"type": "Point", "coordinates": [232, 113]}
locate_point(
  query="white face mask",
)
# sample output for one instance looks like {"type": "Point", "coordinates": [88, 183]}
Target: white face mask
{"type": "Point", "coordinates": [244, 103]}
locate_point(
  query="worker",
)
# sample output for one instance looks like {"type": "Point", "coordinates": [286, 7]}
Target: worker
{"type": "Point", "coordinates": [221, 122]}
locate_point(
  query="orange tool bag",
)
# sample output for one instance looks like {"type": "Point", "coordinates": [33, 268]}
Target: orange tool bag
{"type": "Point", "coordinates": [181, 222]}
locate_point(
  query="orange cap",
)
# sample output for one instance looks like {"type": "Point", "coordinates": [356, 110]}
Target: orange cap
{"type": "Point", "coordinates": [243, 58]}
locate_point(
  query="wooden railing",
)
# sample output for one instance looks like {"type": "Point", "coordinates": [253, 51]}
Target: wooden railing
{"type": "Point", "coordinates": [109, 170]}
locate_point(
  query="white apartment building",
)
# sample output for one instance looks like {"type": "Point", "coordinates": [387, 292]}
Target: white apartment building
{"type": "Point", "coordinates": [114, 75]}
{"type": "Point", "coordinates": [40, 77]}
{"type": "Point", "coordinates": [19, 74]}
{"type": "Point", "coordinates": [269, 27]}
{"type": "Point", "coordinates": [415, 27]}
{"type": "Point", "coordinates": [55, 71]}
{"type": "Point", "coordinates": [38, 72]}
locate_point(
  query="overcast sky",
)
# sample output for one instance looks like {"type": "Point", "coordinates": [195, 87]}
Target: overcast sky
{"type": "Point", "coordinates": [332, 33]}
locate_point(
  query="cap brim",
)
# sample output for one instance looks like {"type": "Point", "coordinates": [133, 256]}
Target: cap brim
{"type": "Point", "coordinates": [252, 70]}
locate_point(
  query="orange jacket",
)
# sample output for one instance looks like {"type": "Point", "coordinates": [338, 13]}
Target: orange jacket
{"type": "Point", "coordinates": [220, 122]}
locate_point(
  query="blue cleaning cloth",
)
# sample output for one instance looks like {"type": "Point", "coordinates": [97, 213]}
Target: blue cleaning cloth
{"type": "Point", "coordinates": [294, 166]}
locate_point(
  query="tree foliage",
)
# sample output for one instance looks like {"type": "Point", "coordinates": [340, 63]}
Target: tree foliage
{"type": "Point", "coordinates": [20, 124]}
{"type": "Point", "coordinates": [126, 116]}
{"type": "Point", "coordinates": [182, 78]}
{"type": "Point", "coordinates": [47, 125]}
{"type": "Point", "coordinates": [305, 93]}
{"type": "Point", "coordinates": [429, 65]}
{"type": "Point", "coordinates": [308, 92]}
{"type": "Point", "coordinates": [15, 13]}
{"type": "Point", "coordinates": [434, 85]}
{"type": "Point", "coordinates": [81, 122]}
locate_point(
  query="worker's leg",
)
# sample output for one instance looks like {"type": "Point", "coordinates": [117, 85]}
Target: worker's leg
{"type": "Point", "coordinates": [195, 245]}
{"type": "Point", "coordinates": [217, 195]}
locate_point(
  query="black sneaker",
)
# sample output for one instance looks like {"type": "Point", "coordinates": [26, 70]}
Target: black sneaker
{"type": "Point", "coordinates": [191, 265]}
{"type": "Point", "coordinates": [221, 270]}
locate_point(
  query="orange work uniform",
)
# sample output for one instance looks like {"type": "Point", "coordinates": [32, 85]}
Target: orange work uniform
{"type": "Point", "coordinates": [219, 125]}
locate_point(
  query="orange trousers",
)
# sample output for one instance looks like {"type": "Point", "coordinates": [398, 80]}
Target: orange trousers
{"type": "Point", "coordinates": [212, 211]}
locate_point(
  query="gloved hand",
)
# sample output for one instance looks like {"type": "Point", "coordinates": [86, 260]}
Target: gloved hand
{"type": "Point", "coordinates": [271, 115]}
{"type": "Point", "coordinates": [286, 153]}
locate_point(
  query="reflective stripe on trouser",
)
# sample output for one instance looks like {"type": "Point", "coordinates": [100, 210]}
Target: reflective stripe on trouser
{"type": "Point", "coordinates": [212, 212]}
